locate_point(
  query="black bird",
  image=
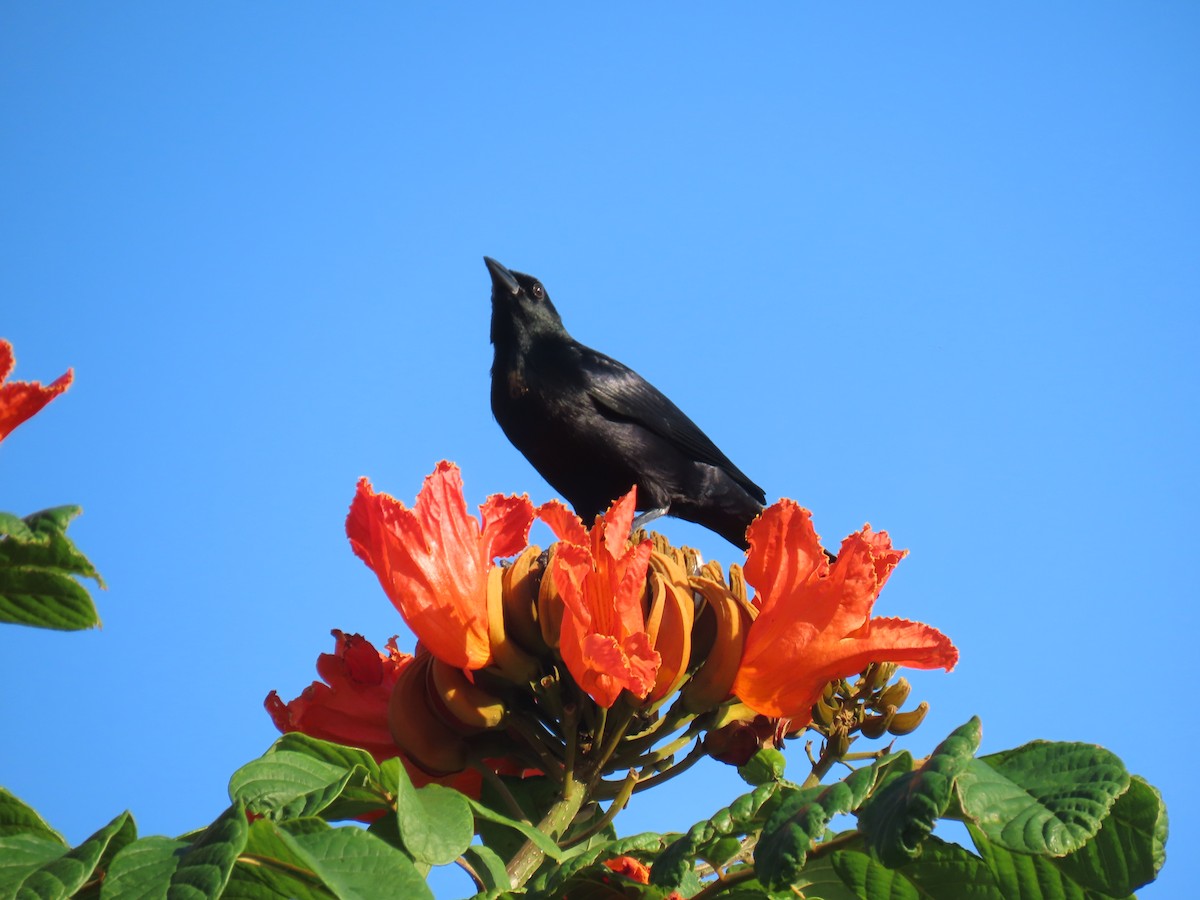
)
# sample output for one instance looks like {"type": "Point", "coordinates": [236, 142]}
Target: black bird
{"type": "Point", "coordinates": [593, 427]}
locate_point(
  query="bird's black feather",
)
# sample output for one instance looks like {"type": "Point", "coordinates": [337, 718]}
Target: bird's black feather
{"type": "Point", "coordinates": [593, 427]}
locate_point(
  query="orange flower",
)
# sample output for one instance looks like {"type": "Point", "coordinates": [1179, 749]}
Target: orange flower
{"type": "Point", "coordinates": [351, 705]}
{"type": "Point", "coordinates": [433, 560]}
{"type": "Point", "coordinates": [631, 868]}
{"type": "Point", "coordinates": [602, 581]}
{"type": "Point", "coordinates": [19, 400]}
{"type": "Point", "coordinates": [635, 870]}
{"type": "Point", "coordinates": [814, 623]}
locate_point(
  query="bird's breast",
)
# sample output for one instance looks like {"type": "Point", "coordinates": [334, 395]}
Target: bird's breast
{"type": "Point", "coordinates": [517, 386]}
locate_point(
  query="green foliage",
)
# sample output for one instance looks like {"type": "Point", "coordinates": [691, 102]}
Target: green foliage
{"type": "Point", "coordinates": [542, 841]}
{"type": "Point", "coordinates": [143, 869]}
{"type": "Point", "coordinates": [905, 810]}
{"type": "Point", "coordinates": [37, 866]}
{"type": "Point", "coordinates": [1087, 830]}
{"type": "Point", "coordinates": [17, 818]}
{"type": "Point", "coordinates": [1045, 798]}
{"type": "Point", "coordinates": [39, 565]}
{"type": "Point", "coordinates": [765, 766]}
{"type": "Point", "coordinates": [800, 822]}
{"type": "Point", "coordinates": [741, 817]}
{"type": "Point", "coordinates": [435, 822]}
{"type": "Point", "coordinates": [285, 785]}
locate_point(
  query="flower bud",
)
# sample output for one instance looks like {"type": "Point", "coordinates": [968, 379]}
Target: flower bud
{"type": "Point", "coordinates": [520, 588]}
{"type": "Point", "coordinates": [876, 675]}
{"type": "Point", "coordinates": [423, 736]}
{"type": "Point", "coordinates": [893, 695]}
{"type": "Point", "coordinates": [876, 726]}
{"type": "Point", "coordinates": [907, 722]}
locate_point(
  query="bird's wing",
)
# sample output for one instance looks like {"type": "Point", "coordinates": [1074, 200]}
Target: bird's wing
{"type": "Point", "coordinates": [619, 391]}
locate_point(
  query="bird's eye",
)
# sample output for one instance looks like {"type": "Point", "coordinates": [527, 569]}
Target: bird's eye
{"type": "Point", "coordinates": [538, 291]}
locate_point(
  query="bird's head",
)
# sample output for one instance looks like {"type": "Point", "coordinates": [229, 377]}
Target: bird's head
{"type": "Point", "coordinates": [521, 308]}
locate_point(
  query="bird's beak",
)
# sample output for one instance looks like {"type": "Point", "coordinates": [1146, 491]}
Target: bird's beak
{"type": "Point", "coordinates": [501, 277]}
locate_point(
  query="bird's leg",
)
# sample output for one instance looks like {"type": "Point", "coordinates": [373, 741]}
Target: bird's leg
{"type": "Point", "coordinates": [648, 516]}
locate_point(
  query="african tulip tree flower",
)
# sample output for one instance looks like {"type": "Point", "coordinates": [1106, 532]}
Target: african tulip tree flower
{"type": "Point", "coordinates": [602, 582]}
{"type": "Point", "coordinates": [20, 400]}
{"type": "Point", "coordinates": [814, 623]}
{"type": "Point", "coordinates": [351, 705]}
{"type": "Point", "coordinates": [635, 870]}
{"type": "Point", "coordinates": [433, 560]}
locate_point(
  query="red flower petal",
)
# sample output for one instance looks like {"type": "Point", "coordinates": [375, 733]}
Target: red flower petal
{"type": "Point", "coordinates": [815, 620]}
{"type": "Point", "coordinates": [602, 581]}
{"type": "Point", "coordinates": [433, 560]}
{"type": "Point", "coordinates": [351, 706]}
{"type": "Point", "coordinates": [20, 400]}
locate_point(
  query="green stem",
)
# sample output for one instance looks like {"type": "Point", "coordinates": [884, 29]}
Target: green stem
{"type": "Point", "coordinates": [617, 726]}
{"type": "Point", "coordinates": [497, 783]}
{"type": "Point", "coordinates": [697, 753]}
{"type": "Point", "coordinates": [556, 821]}
{"type": "Point", "coordinates": [570, 726]}
{"type": "Point", "coordinates": [660, 753]}
{"type": "Point", "coordinates": [619, 802]}
{"type": "Point", "coordinates": [535, 738]}
{"type": "Point", "coordinates": [822, 766]}
{"type": "Point", "coordinates": [724, 883]}
{"type": "Point", "coordinates": [674, 719]}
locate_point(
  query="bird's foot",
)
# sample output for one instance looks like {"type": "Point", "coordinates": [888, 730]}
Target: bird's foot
{"type": "Point", "coordinates": [648, 516]}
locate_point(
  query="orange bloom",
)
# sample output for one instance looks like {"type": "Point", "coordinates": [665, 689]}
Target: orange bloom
{"type": "Point", "coordinates": [629, 867]}
{"type": "Point", "coordinates": [351, 705]}
{"type": "Point", "coordinates": [602, 581]}
{"type": "Point", "coordinates": [433, 560]}
{"type": "Point", "coordinates": [19, 400]}
{"type": "Point", "coordinates": [814, 623]}
{"type": "Point", "coordinates": [635, 870]}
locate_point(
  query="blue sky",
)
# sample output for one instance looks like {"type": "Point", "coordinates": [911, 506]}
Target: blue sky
{"type": "Point", "coordinates": [931, 267]}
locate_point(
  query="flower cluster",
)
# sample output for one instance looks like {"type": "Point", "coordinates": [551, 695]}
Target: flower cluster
{"type": "Point", "coordinates": [611, 650]}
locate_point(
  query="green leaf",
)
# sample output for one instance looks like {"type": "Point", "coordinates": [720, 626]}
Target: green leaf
{"type": "Point", "coordinates": [800, 822]}
{"type": "Point", "coordinates": [549, 879]}
{"type": "Point", "coordinates": [1023, 876]}
{"type": "Point", "coordinates": [1129, 849]}
{"type": "Point", "coordinates": [943, 872]}
{"type": "Point", "coordinates": [1045, 797]}
{"type": "Point", "coordinates": [21, 854]}
{"type": "Point", "coordinates": [820, 879]}
{"type": "Point", "coordinates": [902, 813]}
{"type": "Point", "coordinates": [766, 765]}
{"type": "Point", "coordinates": [45, 599]}
{"type": "Point", "coordinates": [15, 527]}
{"type": "Point", "coordinates": [541, 840]}
{"type": "Point", "coordinates": [287, 784]}
{"type": "Point", "coordinates": [53, 549]}
{"type": "Point", "coordinates": [435, 822]}
{"type": "Point", "coordinates": [598, 882]}
{"type": "Point", "coordinates": [362, 795]}
{"type": "Point", "coordinates": [38, 563]}
{"type": "Point", "coordinates": [204, 867]}
{"type": "Point", "coordinates": [68, 872]}
{"type": "Point", "coordinates": [869, 879]}
{"type": "Point", "coordinates": [270, 867]}
{"type": "Point", "coordinates": [354, 863]}
{"type": "Point", "coordinates": [17, 817]}
{"type": "Point", "coordinates": [489, 868]}
{"type": "Point", "coordinates": [534, 796]}
{"type": "Point", "coordinates": [740, 817]}
{"type": "Point", "coordinates": [143, 869]}
{"type": "Point", "coordinates": [326, 751]}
